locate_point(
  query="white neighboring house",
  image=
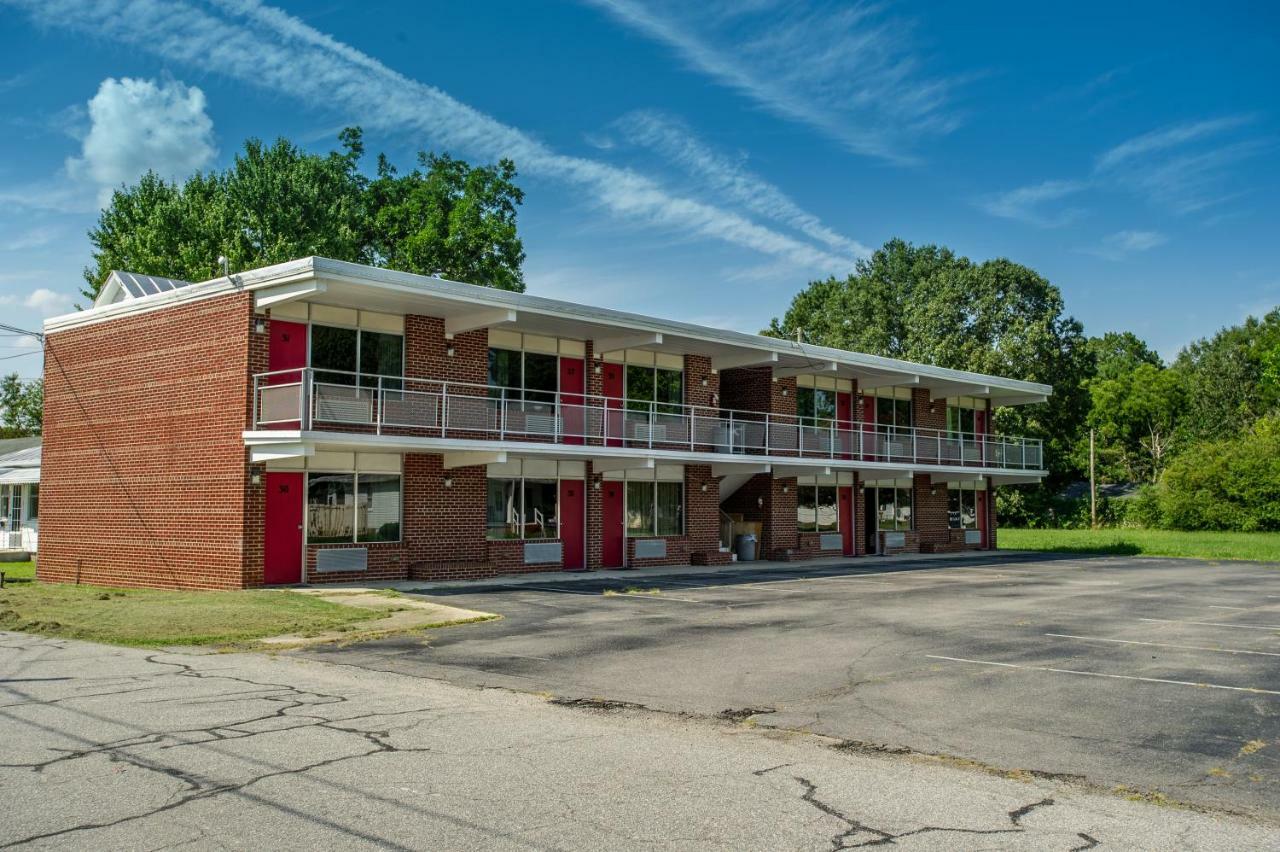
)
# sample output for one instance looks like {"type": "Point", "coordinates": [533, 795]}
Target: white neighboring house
{"type": "Point", "coordinates": [19, 493]}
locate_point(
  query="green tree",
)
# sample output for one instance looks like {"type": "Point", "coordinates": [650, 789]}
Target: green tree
{"type": "Point", "coordinates": [924, 303]}
{"type": "Point", "coordinates": [21, 406]}
{"type": "Point", "coordinates": [1227, 379]}
{"type": "Point", "coordinates": [277, 202]}
{"type": "Point", "coordinates": [1229, 484]}
{"type": "Point", "coordinates": [1136, 415]}
{"type": "Point", "coordinates": [1118, 352]}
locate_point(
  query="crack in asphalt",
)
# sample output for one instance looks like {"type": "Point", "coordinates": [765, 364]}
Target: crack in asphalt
{"type": "Point", "coordinates": [1016, 815]}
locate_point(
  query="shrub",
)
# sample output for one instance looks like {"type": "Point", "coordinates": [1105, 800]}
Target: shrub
{"type": "Point", "coordinates": [1225, 485]}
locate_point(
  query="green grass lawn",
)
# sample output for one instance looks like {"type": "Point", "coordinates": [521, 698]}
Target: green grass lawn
{"type": "Point", "coordinates": [151, 618]}
{"type": "Point", "coordinates": [1263, 547]}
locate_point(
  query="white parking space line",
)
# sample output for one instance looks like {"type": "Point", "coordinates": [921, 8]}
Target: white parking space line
{"type": "Point", "coordinates": [1220, 606]}
{"type": "Point", "coordinates": [1163, 645]}
{"type": "Point", "coordinates": [1106, 675]}
{"type": "Point", "coordinates": [649, 597]}
{"type": "Point", "coordinates": [1273, 627]}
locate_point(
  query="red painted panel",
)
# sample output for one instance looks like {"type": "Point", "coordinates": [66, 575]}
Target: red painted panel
{"type": "Point", "coordinates": [572, 519]}
{"type": "Point", "coordinates": [611, 533]}
{"type": "Point", "coordinates": [572, 387]}
{"type": "Point", "coordinates": [846, 519]}
{"type": "Point", "coordinates": [980, 421]}
{"type": "Point", "coordinates": [844, 423]}
{"type": "Point", "coordinates": [612, 387]}
{"type": "Point", "coordinates": [287, 351]}
{"type": "Point", "coordinates": [282, 548]}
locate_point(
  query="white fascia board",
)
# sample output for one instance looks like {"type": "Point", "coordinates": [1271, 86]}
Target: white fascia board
{"type": "Point", "coordinates": [729, 468]}
{"type": "Point", "coordinates": [743, 359]}
{"type": "Point", "coordinates": [275, 452]}
{"type": "Point", "coordinates": [814, 370]}
{"type": "Point", "coordinates": [472, 459]}
{"type": "Point", "coordinates": [643, 340]}
{"type": "Point", "coordinates": [784, 470]}
{"type": "Point", "coordinates": [609, 465]}
{"type": "Point", "coordinates": [1023, 478]}
{"type": "Point", "coordinates": [629, 325]}
{"type": "Point", "coordinates": [272, 296]}
{"type": "Point", "coordinates": [463, 323]}
{"type": "Point", "coordinates": [1018, 399]}
{"type": "Point", "coordinates": [884, 381]}
{"type": "Point", "coordinates": [941, 390]}
{"type": "Point", "coordinates": [969, 476]}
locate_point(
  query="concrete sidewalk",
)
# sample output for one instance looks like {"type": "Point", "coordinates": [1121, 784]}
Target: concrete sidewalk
{"type": "Point", "coordinates": [632, 576]}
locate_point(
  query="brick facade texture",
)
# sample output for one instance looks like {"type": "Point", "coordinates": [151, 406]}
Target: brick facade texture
{"type": "Point", "coordinates": [146, 480]}
{"type": "Point", "coordinates": [144, 473]}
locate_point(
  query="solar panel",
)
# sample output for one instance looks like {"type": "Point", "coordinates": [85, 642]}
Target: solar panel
{"type": "Point", "coordinates": [137, 285]}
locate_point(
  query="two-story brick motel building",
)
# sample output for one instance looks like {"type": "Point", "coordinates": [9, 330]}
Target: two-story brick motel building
{"type": "Point", "coordinates": [320, 421]}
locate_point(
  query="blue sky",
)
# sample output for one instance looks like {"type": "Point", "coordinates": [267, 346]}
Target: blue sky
{"type": "Point", "coordinates": [697, 160]}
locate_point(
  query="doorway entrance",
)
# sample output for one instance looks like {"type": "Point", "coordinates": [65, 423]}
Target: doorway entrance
{"type": "Point", "coordinates": [282, 544]}
{"type": "Point", "coordinates": [872, 540]}
{"type": "Point", "coordinates": [612, 506]}
{"type": "Point", "coordinates": [573, 506]}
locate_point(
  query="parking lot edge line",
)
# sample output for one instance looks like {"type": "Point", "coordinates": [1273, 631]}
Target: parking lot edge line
{"type": "Point", "coordinates": [1273, 627]}
{"type": "Point", "coordinates": [1163, 644]}
{"type": "Point", "coordinates": [1251, 689]}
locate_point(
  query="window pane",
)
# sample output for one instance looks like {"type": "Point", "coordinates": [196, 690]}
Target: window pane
{"type": "Point", "coordinates": [378, 507]}
{"type": "Point", "coordinates": [885, 511]}
{"type": "Point", "coordinates": [33, 509]}
{"type": "Point", "coordinates": [884, 411]}
{"type": "Point", "coordinates": [640, 508]}
{"type": "Point", "coordinates": [903, 508]}
{"type": "Point", "coordinates": [969, 509]}
{"type": "Point", "coordinates": [504, 509]}
{"type": "Point", "coordinates": [670, 508]}
{"type": "Point", "coordinates": [540, 508]}
{"type": "Point", "coordinates": [902, 412]}
{"type": "Point", "coordinates": [953, 508]}
{"type": "Point", "coordinates": [640, 387]}
{"type": "Point", "coordinates": [828, 514]}
{"type": "Point", "coordinates": [804, 403]}
{"type": "Point", "coordinates": [330, 507]}
{"type": "Point", "coordinates": [334, 349]}
{"type": "Point", "coordinates": [669, 389]}
{"type": "Point", "coordinates": [504, 368]}
{"type": "Point", "coordinates": [381, 355]}
{"type": "Point", "coordinates": [824, 406]}
{"type": "Point", "coordinates": [806, 508]}
{"type": "Point", "coordinates": [541, 377]}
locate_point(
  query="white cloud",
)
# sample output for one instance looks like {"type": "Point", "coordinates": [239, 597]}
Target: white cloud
{"type": "Point", "coordinates": [848, 71]}
{"type": "Point", "coordinates": [47, 302]}
{"type": "Point", "coordinates": [728, 179]}
{"type": "Point", "coordinates": [141, 125]}
{"type": "Point", "coordinates": [1027, 203]}
{"type": "Point", "coordinates": [32, 238]}
{"type": "Point", "coordinates": [271, 49]}
{"type": "Point", "coordinates": [1167, 137]}
{"type": "Point", "coordinates": [1121, 244]}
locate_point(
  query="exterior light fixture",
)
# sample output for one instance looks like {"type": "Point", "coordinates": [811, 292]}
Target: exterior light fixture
{"type": "Point", "coordinates": [597, 369]}
{"type": "Point", "coordinates": [596, 485]}
{"type": "Point", "coordinates": [786, 489]}
{"type": "Point", "coordinates": [260, 326]}
{"type": "Point", "coordinates": [256, 479]}
{"type": "Point", "coordinates": [784, 391]}
{"type": "Point", "coordinates": [760, 502]}
{"type": "Point", "coordinates": [704, 488]}
{"type": "Point", "coordinates": [449, 351]}
{"type": "Point", "coordinates": [704, 382]}
{"type": "Point", "coordinates": [448, 482]}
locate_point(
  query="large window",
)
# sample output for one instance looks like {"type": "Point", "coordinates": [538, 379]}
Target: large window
{"type": "Point", "coordinates": [655, 508]}
{"type": "Point", "coordinates": [893, 408]}
{"type": "Point", "coordinates": [353, 507]}
{"type": "Point", "coordinates": [815, 406]}
{"type": "Point", "coordinates": [33, 505]}
{"type": "Point", "coordinates": [658, 385]}
{"type": "Point", "coordinates": [817, 509]}
{"type": "Point", "coordinates": [962, 505]}
{"type": "Point", "coordinates": [523, 508]}
{"type": "Point", "coordinates": [339, 354]}
{"type": "Point", "coordinates": [893, 501]}
{"type": "Point", "coordinates": [961, 415]}
{"type": "Point", "coordinates": [529, 376]}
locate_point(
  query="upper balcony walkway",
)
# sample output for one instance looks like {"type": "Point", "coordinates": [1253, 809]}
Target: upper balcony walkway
{"type": "Point", "coordinates": [325, 400]}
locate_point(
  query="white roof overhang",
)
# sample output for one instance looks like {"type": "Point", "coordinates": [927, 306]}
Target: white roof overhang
{"type": "Point", "coordinates": [465, 306]}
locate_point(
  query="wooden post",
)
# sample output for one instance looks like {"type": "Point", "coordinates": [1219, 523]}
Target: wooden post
{"type": "Point", "coordinates": [1093, 487]}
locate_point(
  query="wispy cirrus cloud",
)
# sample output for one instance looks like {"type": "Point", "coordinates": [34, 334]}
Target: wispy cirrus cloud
{"type": "Point", "coordinates": [1122, 244]}
{"type": "Point", "coordinates": [268, 48]}
{"type": "Point", "coordinates": [849, 71]}
{"type": "Point", "coordinates": [728, 177]}
{"type": "Point", "coordinates": [1035, 204]}
{"type": "Point", "coordinates": [1183, 167]}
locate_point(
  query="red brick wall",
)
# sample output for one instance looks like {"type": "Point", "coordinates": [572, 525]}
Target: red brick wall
{"type": "Point", "coordinates": [144, 478]}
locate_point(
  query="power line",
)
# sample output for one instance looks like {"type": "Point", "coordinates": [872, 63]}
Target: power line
{"type": "Point", "coordinates": [15, 330]}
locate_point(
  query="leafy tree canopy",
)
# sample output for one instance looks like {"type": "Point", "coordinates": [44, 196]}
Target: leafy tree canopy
{"type": "Point", "coordinates": [1118, 352]}
{"type": "Point", "coordinates": [926, 304]}
{"type": "Point", "coordinates": [277, 202]}
{"type": "Point", "coordinates": [21, 406]}
{"type": "Point", "coordinates": [1232, 379]}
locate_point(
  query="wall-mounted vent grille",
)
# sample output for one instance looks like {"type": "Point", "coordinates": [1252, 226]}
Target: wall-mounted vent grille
{"type": "Point", "coordinates": [542, 552]}
{"type": "Point", "coordinates": [651, 548]}
{"type": "Point", "coordinates": [831, 541]}
{"type": "Point", "coordinates": [342, 559]}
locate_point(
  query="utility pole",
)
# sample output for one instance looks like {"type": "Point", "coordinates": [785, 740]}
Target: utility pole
{"type": "Point", "coordinates": [1093, 487]}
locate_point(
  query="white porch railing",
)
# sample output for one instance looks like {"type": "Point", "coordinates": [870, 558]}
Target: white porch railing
{"type": "Point", "coordinates": [320, 399]}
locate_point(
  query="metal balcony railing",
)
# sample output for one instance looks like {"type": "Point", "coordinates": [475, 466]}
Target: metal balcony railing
{"type": "Point", "coordinates": [325, 399]}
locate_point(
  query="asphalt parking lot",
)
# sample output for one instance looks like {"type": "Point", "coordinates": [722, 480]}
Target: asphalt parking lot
{"type": "Point", "coordinates": [1149, 673]}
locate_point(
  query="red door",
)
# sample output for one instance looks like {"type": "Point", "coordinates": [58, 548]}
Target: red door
{"type": "Point", "coordinates": [846, 519]}
{"type": "Point", "coordinates": [844, 423]}
{"type": "Point", "coordinates": [282, 549]}
{"type": "Point", "coordinates": [572, 387]}
{"type": "Point", "coordinates": [980, 420]}
{"type": "Point", "coordinates": [286, 358]}
{"type": "Point", "coordinates": [611, 509]}
{"type": "Point", "coordinates": [572, 514]}
{"type": "Point", "coordinates": [612, 387]}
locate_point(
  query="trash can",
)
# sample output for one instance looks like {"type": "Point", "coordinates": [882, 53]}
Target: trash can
{"type": "Point", "coordinates": [746, 547]}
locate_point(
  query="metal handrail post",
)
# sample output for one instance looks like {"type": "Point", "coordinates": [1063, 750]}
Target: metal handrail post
{"type": "Point", "coordinates": [444, 409]}
{"type": "Point", "coordinates": [308, 390]}
{"type": "Point", "coordinates": [381, 399]}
